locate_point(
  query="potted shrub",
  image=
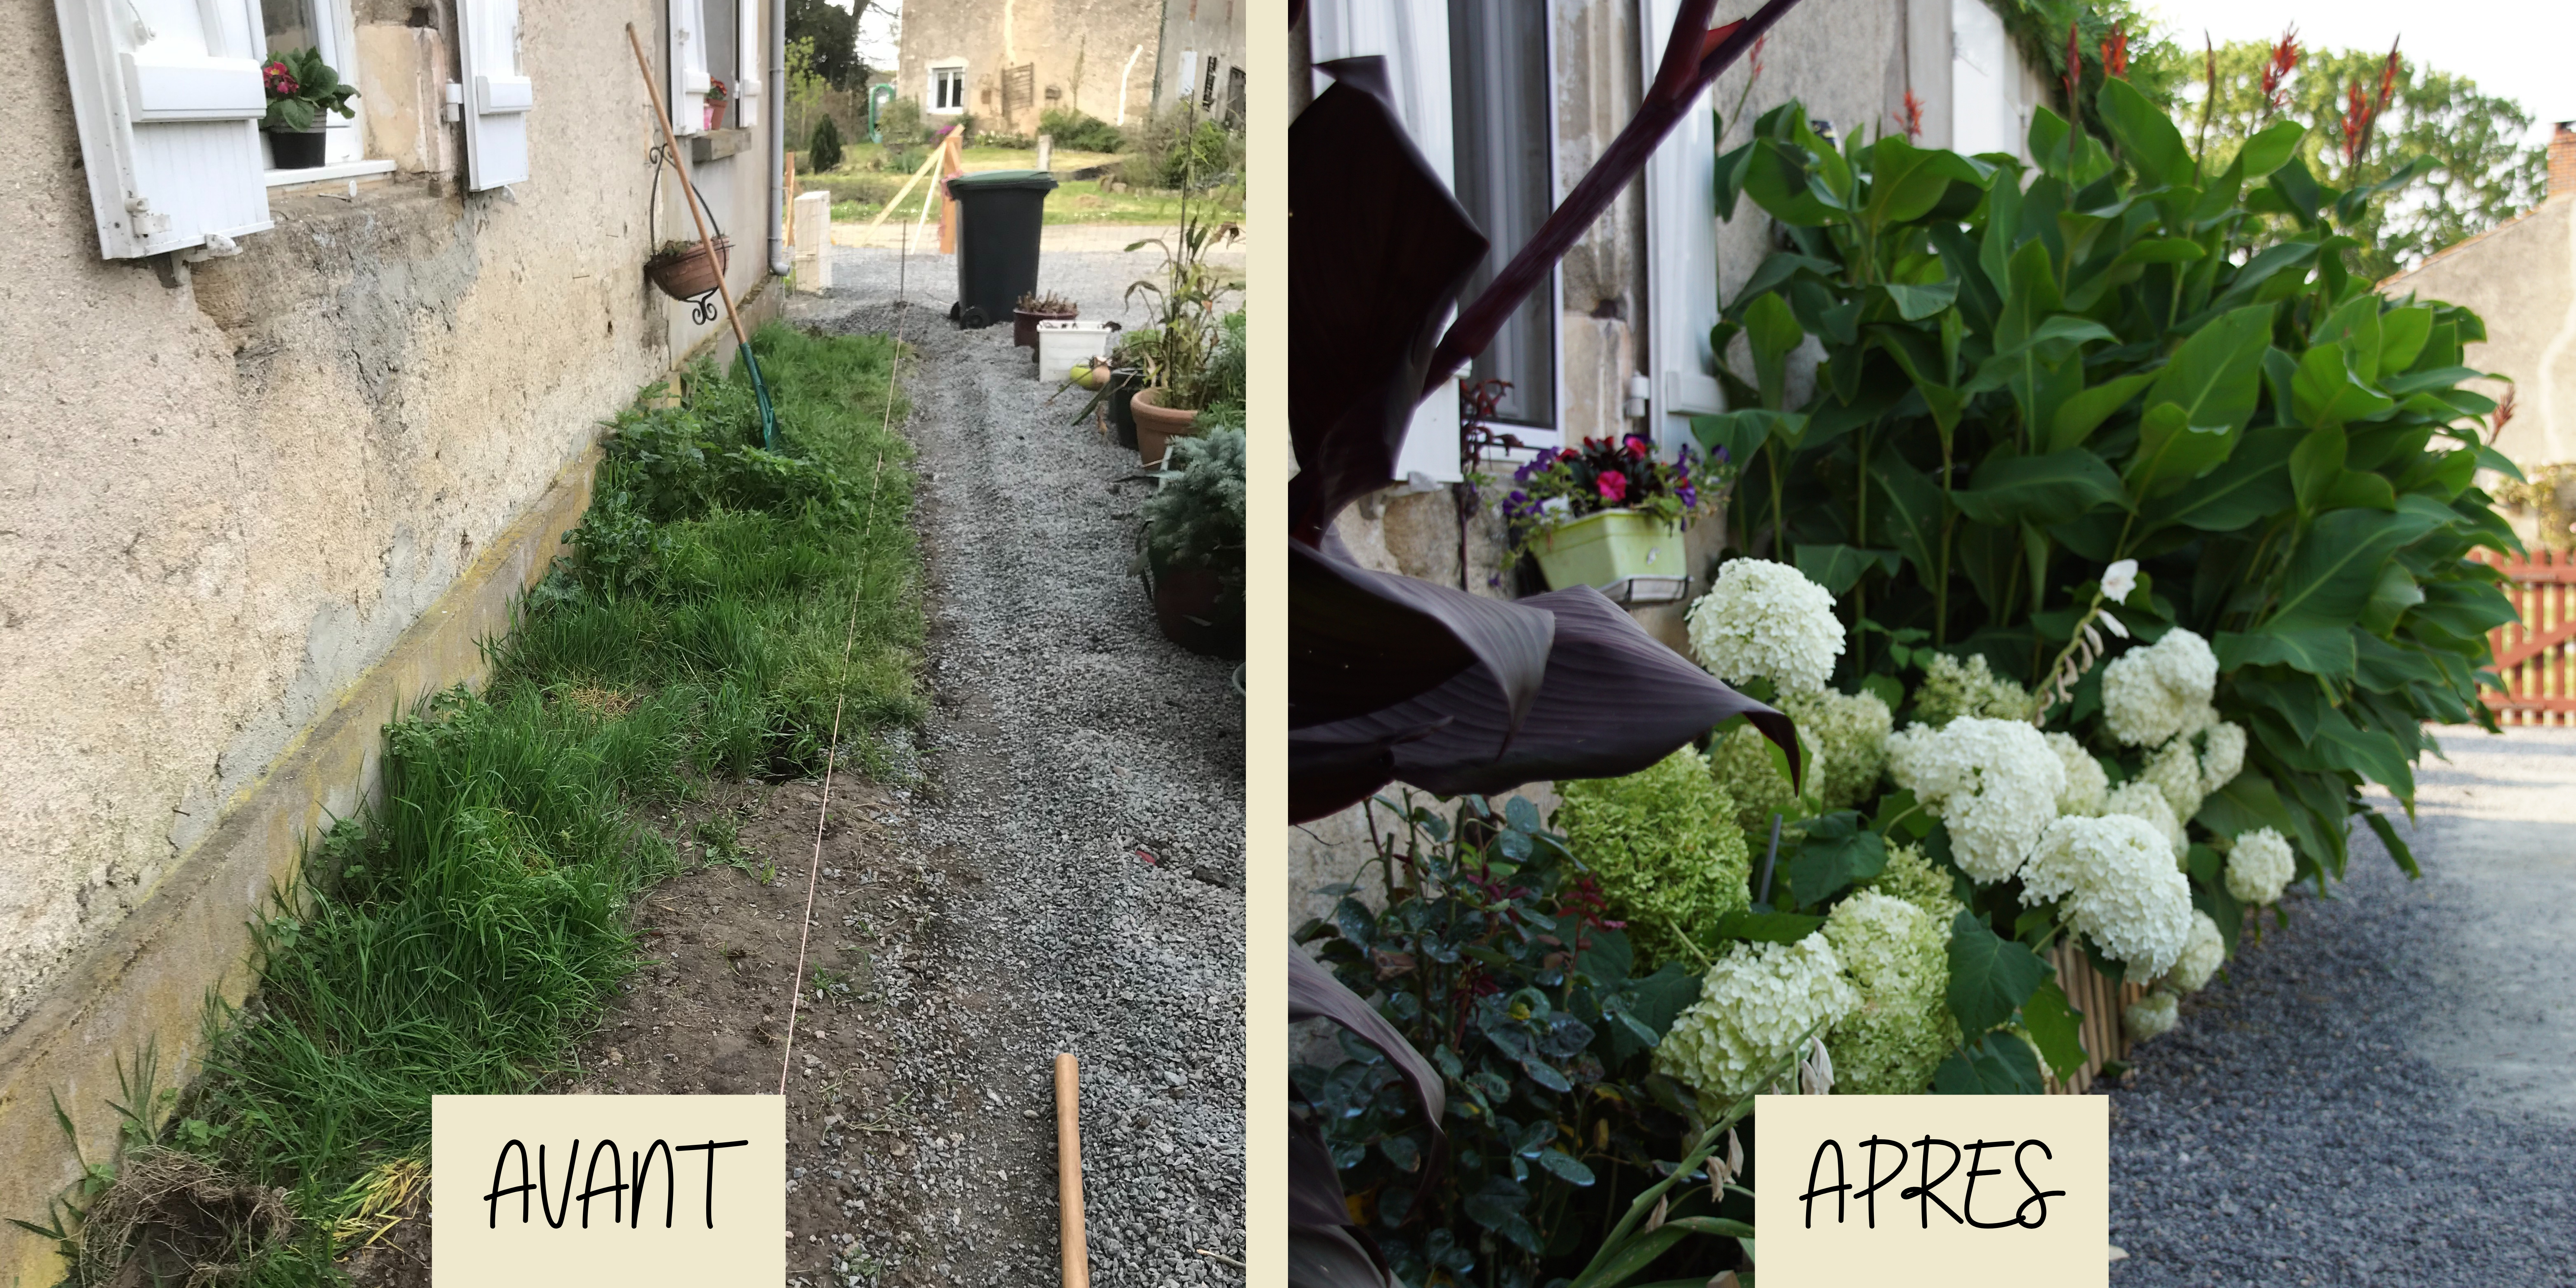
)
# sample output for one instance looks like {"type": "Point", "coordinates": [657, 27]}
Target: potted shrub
{"type": "Point", "coordinates": [301, 87]}
{"type": "Point", "coordinates": [685, 270]}
{"type": "Point", "coordinates": [1192, 555]}
{"type": "Point", "coordinates": [1034, 308]}
{"type": "Point", "coordinates": [1177, 354]}
{"type": "Point", "coordinates": [1603, 513]}
{"type": "Point", "coordinates": [717, 97]}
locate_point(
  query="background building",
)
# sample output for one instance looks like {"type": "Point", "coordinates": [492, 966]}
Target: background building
{"type": "Point", "coordinates": [1004, 62]}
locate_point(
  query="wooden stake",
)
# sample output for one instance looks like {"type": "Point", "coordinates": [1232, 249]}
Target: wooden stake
{"type": "Point", "coordinates": [1068, 1170]}
{"type": "Point", "coordinates": [906, 189]}
{"type": "Point", "coordinates": [680, 160]}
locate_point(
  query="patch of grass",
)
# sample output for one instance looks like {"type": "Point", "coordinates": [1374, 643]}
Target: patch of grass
{"type": "Point", "coordinates": [458, 938]}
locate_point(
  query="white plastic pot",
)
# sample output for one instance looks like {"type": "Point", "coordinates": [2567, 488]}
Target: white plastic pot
{"type": "Point", "coordinates": [1064, 345]}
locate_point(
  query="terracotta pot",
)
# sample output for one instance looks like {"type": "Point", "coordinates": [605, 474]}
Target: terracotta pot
{"type": "Point", "coordinates": [715, 116]}
{"type": "Point", "coordinates": [1157, 425]}
{"type": "Point", "coordinates": [1024, 325]}
{"type": "Point", "coordinates": [688, 274]}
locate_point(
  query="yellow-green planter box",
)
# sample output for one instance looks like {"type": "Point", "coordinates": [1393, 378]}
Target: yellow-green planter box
{"type": "Point", "coordinates": [1608, 548]}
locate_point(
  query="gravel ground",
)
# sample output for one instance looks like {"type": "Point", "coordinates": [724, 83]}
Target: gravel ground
{"type": "Point", "coordinates": [1088, 806]}
{"type": "Point", "coordinates": [2386, 1090]}
{"type": "Point", "coordinates": [1067, 876]}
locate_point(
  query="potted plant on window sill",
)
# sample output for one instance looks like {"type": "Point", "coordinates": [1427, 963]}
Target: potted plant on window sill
{"type": "Point", "coordinates": [1604, 513]}
{"type": "Point", "coordinates": [717, 96]}
{"type": "Point", "coordinates": [301, 87]}
{"type": "Point", "coordinates": [1034, 308]}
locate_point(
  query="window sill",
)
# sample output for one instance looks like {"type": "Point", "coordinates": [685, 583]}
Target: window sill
{"type": "Point", "coordinates": [326, 173]}
{"type": "Point", "coordinates": [708, 145]}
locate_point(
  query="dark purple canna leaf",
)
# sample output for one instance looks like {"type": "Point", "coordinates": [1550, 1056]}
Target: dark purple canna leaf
{"type": "Point", "coordinates": [1324, 1249]}
{"type": "Point", "coordinates": [1614, 701]}
{"type": "Point", "coordinates": [1361, 641]}
{"type": "Point", "coordinates": [1377, 251]}
{"type": "Point", "coordinates": [1330, 1257]}
{"type": "Point", "coordinates": [1313, 994]}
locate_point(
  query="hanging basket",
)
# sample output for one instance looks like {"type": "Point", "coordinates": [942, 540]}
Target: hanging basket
{"type": "Point", "coordinates": [689, 273]}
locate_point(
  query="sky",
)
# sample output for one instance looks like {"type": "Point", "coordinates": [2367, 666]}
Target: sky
{"type": "Point", "coordinates": [2517, 49]}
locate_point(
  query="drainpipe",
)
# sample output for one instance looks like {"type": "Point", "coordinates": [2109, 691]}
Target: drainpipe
{"type": "Point", "coordinates": [778, 260]}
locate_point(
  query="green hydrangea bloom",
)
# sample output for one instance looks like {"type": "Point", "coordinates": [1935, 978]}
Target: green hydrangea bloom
{"type": "Point", "coordinates": [1910, 875]}
{"type": "Point", "coordinates": [1851, 732]}
{"type": "Point", "coordinates": [1844, 737]}
{"type": "Point", "coordinates": [1740, 763]}
{"type": "Point", "coordinates": [1952, 689]}
{"type": "Point", "coordinates": [1897, 957]}
{"type": "Point", "coordinates": [1663, 844]}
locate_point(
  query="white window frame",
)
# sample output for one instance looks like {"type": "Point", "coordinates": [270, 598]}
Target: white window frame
{"type": "Point", "coordinates": [1987, 113]}
{"type": "Point", "coordinates": [1413, 37]}
{"type": "Point", "coordinates": [497, 96]}
{"type": "Point", "coordinates": [955, 69]}
{"type": "Point", "coordinates": [1682, 288]}
{"type": "Point", "coordinates": [748, 50]}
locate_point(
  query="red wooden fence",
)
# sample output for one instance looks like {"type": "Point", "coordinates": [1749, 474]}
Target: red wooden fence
{"type": "Point", "coordinates": [2536, 657]}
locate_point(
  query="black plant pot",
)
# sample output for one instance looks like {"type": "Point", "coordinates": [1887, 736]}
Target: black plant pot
{"type": "Point", "coordinates": [295, 149]}
{"type": "Point", "coordinates": [1123, 384]}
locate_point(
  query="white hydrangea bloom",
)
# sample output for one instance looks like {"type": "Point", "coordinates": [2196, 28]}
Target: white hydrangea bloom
{"type": "Point", "coordinates": [2150, 1017]}
{"type": "Point", "coordinates": [2086, 784]}
{"type": "Point", "coordinates": [1754, 1005]}
{"type": "Point", "coordinates": [2222, 755]}
{"type": "Point", "coordinates": [2202, 955]}
{"type": "Point", "coordinates": [2175, 771]}
{"type": "Point", "coordinates": [1995, 782]}
{"type": "Point", "coordinates": [2260, 867]}
{"type": "Point", "coordinates": [2120, 885]}
{"type": "Point", "coordinates": [1848, 735]}
{"type": "Point", "coordinates": [2139, 798]}
{"type": "Point", "coordinates": [2151, 694]}
{"type": "Point", "coordinates": [1766, 620]}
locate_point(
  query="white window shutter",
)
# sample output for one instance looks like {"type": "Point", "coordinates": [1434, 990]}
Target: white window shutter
{"type": "Point", "coordinates": [749, 53]}
{"type": "Point", "coordinates": [1682, 301]}
{"type": "Point", "coordinates": [496, 96]}
{"type": "Point", "coordinates": [167, 97]}
{"type": "Point", "coordinates": [1413, 37]}
{"type": "Point", "coordinates": [690, 79]}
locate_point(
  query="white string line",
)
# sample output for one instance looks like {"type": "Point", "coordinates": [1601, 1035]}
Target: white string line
{"type": "Point", "coordinates": [849, 637]}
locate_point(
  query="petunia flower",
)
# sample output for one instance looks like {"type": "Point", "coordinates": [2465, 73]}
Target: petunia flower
{"type": "Point", "coordinates": [1613, 486]}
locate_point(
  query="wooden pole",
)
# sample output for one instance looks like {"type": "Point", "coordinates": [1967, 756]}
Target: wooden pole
{"type": "Point", "coordinates": [906, 189]}
{"type": "Point", "coordinates": [1068, 1170]}
{"type": "Point", "coordinates": [680, 160]}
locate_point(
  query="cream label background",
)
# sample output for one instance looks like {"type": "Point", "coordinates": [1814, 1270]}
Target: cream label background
{"type": "Point", "coordinates": [469, 1135]}
{"type": "Point", "coordinates": [2069, 1247]}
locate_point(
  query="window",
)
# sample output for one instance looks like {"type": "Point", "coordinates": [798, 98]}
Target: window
{"type": "Point", "coordinates": [948, 86]}
{"type": "Point", "coordinates": [322, 26]}
{"type": "Point", "coordinates": [1499, 122]}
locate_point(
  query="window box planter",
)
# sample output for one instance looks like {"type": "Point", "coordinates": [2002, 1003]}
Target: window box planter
{"type": "Point", "coordinates": [1605, 549]}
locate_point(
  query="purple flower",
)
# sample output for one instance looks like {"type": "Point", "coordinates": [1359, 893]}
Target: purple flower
{"type": "Point", "coordinates": [1689, 496]}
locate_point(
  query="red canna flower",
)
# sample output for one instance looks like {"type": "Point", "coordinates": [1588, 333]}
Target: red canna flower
{"type": "Point", "coordinates": [1911, 118]}
{"type": "Point", "coordinates": [2115, 53]}
{"type": "Point", "coordinates": [2285, 58]}
{"type": "Point", "coordinates": [2074, 66]}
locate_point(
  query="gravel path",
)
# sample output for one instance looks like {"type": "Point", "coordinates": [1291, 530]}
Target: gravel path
{"type": "Point", "coordinates": [2386, 1091]}
{"type": "Point", "coordinates": [1078, 859]}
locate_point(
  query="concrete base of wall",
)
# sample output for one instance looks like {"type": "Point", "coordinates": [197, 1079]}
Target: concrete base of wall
{"type": "Point", "coordinates": [148, 986]}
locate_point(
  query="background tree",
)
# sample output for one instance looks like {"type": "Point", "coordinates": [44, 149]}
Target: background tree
{"type": "Point", "coordinates": [834, 32]}
{"type": "Point", "coordinates": [2482, 173]}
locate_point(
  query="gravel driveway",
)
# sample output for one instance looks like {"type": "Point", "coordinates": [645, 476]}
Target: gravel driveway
{"type": "Point", "coordinates": [1070, 879]}
{"type": "Point", "coordinates": [2385, 1092]}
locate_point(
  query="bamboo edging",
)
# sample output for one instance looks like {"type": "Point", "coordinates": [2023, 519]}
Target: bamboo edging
{"type": "Point", "coordinates": [1068, 1171]}
{"type": "Point", "coordinates": [2100, 1002]}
